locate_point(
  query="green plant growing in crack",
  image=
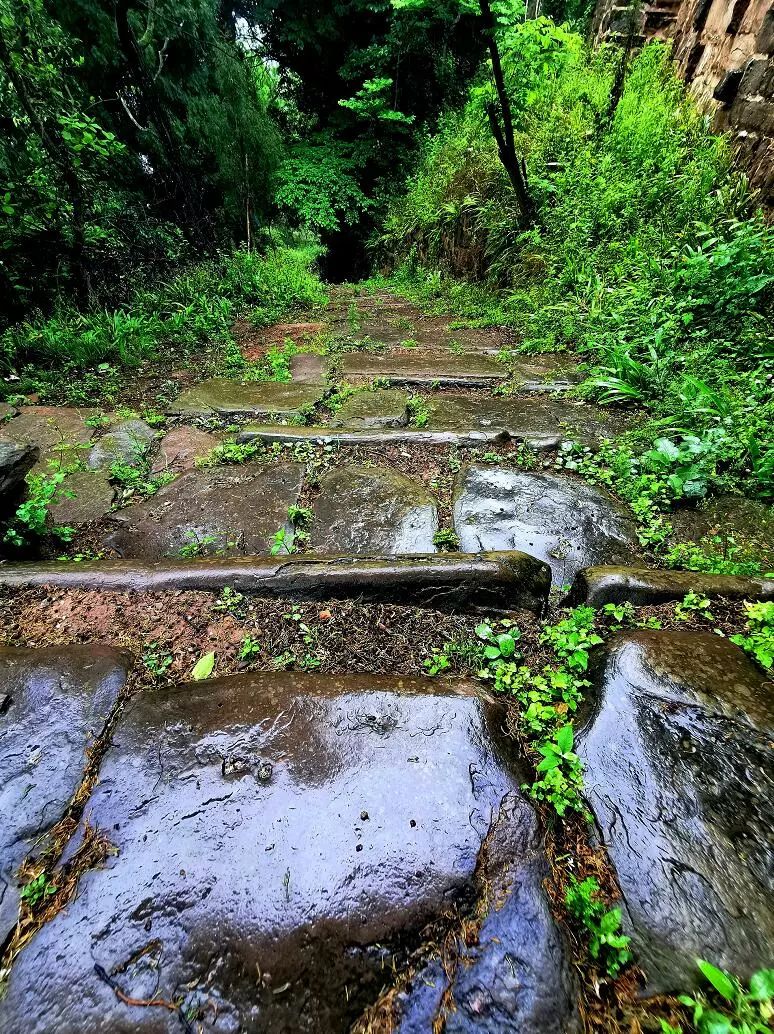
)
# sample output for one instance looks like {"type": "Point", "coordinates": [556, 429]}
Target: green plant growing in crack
{"type": "Point", "coordinates": [419, 411]}
{"type": "Point", "coordinates": [37, 890]}
{"type": "Point", "coordinates": [283, 541]}
{"type": "Point", "coordinates": [694, 605]}
{"type": "Point", "coordinates": [249, 649]}
{"type": "Point", "coordinates": [602, 925]}
{"type": "Point", "coordinates": [31, 519]}
{"type": "Point", "coordinates": [158, 662]}
{"type": "Point", "coordinates": [447, 539]}
{"type": "Point", "coordinates": [196, 545]}
{"type": "Point", "coordinates": [734, 1008]}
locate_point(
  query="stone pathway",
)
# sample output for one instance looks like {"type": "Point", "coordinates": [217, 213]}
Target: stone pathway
{"type": "Point", "coordinates": [287, 851]}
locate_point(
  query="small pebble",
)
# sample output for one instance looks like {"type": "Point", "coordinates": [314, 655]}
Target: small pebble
{"type": "Point", "coordinates": [364, 816]}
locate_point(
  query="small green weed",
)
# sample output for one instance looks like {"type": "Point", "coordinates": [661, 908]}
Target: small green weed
{"type": "Point", "coordinates": [157, 662]}
{"type": "Point", "coordinates": [37, 890]}
{"type": "Point", "coordinates": [196, 545]}
{"type": "Point", "coordinates": [249, 649]}
{"type": "Point", "coordinates": [759, 640]}
{"type": "Point", "coordinates": [447, 539]}
{"type": "Point", "coordinates": [694, 606]}
{"type": "Point", "coordinates": [419, 411]}
{"type": "Point", "coordinates": [602, 925]}
{"type": "Point", "coordinates": [283, 541]}
{"type": "Point", "coordinates": [31, 518]}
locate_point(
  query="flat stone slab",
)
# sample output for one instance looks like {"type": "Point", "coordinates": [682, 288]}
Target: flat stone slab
{"type": "Point", "coordinates": [679, 773]}
{"type": "Point", "coordinates": [373, 510]}
{"type": "Point", "coordinates": [558, 519]}
{"type": "Point", "coordinates": [234, 399]}
{"type": "Point", "coordinates": [182, 446]}
{"type": "Point", "coordinates": [371, 409]}
{"type": "Point", "coordinates": [424, 368]}
{"type": "Point", "coordinates": [84, 497]}
{"type": "Point", "coordinates": [127, 442]}
{"type": "Point", "coordinates": [60, 433]}
{"type": "Point", "coordinates": [216, 510]}
{"type": "Point", "coordinates": [387, 436]}
{"type": "Point", "coordinates": [547, 373]}
{"type": "Point", "coordinates": [283, 841]}
{"type": "Point", "coordinates": [55, 705]}
{"type": "Point", "coordinates": [642, 586]}
{"type": "Point", "coordinates": [525, 418]}
{"type": "Point", "coordinates": [485, 581]}
{"type": "Point", "coordinates": [307, 368]}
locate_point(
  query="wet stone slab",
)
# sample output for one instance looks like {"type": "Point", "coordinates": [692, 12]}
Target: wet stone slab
{"type": "Point", "coordinates": [283, 840]}
{"type": "Point", "coordinates": [551, 374]}
{"type": "Point", "coordinates": [182, 446]}
{"type": "Point", "coordinates": [233, 399]}
{"type": "Point", "coordinates": [370, 409]}
{"type": "Point", "coordinates": [53, 704]}
{"type": "Point", "coordinates": [409, 366]}
{"type": "Point", "coordinates": [377, 510]}
{"type": "Point", "coordinates": [83, 498]}
{"type": "Point", "coordinates": [127, 442]}
{"type": "Point", "coordinates": [679, 773]}
{"type": "Point", "coordinates": [537, 415]}
{"type": "Point", "coordinates": [307, 368]}
{"type": "Point", "coordinates": [60, 432]}
{"type": "Point", "coordinates": [561, 520]}
{"type": "Point", "coordinates": [206, 512]}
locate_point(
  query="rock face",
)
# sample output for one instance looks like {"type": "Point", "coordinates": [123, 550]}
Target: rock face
{"type": "Point", "coordinates": [204, 512]}
{"type": "Point", "coordinates": [220, 396]}
{"type": "Point", "coordinates": [16, 459]}
{"type": "Point", "coordinates": [424, 368]}
{"type": "Point", "coordinates": [59, 432]}
{"type": "Point", "coordinates": [127, 443]}
{"type": "Point", "coordinates": [680, 776]}
{"type": "Point", "coordinates": [53, 703]}
{"type": "Point", "coordinates": [84, 497]}
{"type": "Point", "coordinates": [373, 510]}
{"type": "Point", "coordinates": [369, 409]}
{"type": "Point", "coordinates": [560, 520]}
{"type": "Point", "coordinates": [282, 841]}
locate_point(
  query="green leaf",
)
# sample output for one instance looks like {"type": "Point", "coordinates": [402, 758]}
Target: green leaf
{"type": "Point", "coordinates": [722, 982]}
{"type": "Point", "coordinates": [564, 739]}
{"type": "Point", "coordinates": [762, 985]}
{"type": "Point", "coordinates": [203, 667]}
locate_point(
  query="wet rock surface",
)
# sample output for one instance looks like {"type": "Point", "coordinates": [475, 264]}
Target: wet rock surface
{"type": "Point", "coordinates": [546, 373]}
{"type": "Point", "coordinates": [370, 409]}
{"type": "Point", "coordinates": [182, 446]}
{"type": "Point", "coordinates": [261, 400]}
{"type": "Point", "coordinates": [560, 520]}
{"type": "Point", "coordinates": [16, 459]}
{"type": "Point", "coordinates": [215, 510]}
{"type": "Point", "coordinates": [59, 432]}
{"type": "Point", "coordinates": [283, 840]}
{"type": "Point", "coordinates": [53, 704]}
{"type": "Point", "coordinates": [376, 510]}
{"type": "Point", "coordinates": [83, 498]}
{"type": "Point", "coordinates": [679, 773]}
{"type": "Point", "coordinates": [423, 368]}
{"type": "Point", "coordinates": [643, 586]}
{"type": "Point", "coordinates": [749, 522]}
{"type": "Point", "coordinates": [307, 368]}
{"type": "Point", "coordinates": [127, 442]}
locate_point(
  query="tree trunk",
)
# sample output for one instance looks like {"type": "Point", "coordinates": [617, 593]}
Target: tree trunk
{"type": "Point", "coordinates": [503, 134]}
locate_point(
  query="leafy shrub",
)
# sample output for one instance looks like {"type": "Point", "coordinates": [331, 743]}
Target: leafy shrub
{"type": "Point", "coordinates": [759, 641]}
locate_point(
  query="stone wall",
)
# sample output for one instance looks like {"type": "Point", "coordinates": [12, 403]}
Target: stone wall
{"type": "Point", "coordinates": [724, 50]}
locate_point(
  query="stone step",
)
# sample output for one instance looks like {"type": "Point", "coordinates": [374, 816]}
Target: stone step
{"type": "Point", "coordinates": [283, 844]}
{"type": "Point", "coordinates": [501, 581]}
{"type": "Point", "coordinates": [390, 436]}
{"type": "Point", "coordinates": [220, 396]}
{"type": "Point", "coordinates": [679, 773]}
{"type": "Point", "coordinates": [645, 587]}
{"type": "Point", "coordinates": [423, 369]}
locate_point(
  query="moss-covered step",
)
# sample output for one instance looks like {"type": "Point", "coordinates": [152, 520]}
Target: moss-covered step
{"type": "Point", "coordinates": [230, 398]}
{"type": "Point", "coordinates": [424, 369]}
{"type": "Point", "coordinates": [366, 410]}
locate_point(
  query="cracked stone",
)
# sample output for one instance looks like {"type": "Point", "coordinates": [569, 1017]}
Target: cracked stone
{"type": "Point", "coordinates": [251, 897]}
{"type": "Point", "coordinates": [373, 510]}
{"type": "Point", "coordinates": [258, 400]}
{"type": "Point", "coordinates": [58, 700]}
{"type": "Point", "coordinates": [127, 442]}
{"type": "Point", "coordinates": [212, 511]}
{"type": "Point", "coordinates": [680, 776]}
{"type": "Point", "coordinates": [558, 519]}
{"type": "Point", "coordinates": [369, 409]}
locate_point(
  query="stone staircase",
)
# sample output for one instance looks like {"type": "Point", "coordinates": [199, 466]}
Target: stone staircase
{"type": "Point", "coordinates": [293, 851]}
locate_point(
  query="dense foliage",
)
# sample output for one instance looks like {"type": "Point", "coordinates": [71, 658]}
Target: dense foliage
{"type": "Point", "coordinates": [648, 256]}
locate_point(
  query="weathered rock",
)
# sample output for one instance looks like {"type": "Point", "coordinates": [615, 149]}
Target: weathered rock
{"type": "Point", "coordinates": [83, 498]}
{"type": "Point", "coordinates": [486, 581]}
{"type": "Point", "coordinates": [424, 368]}
{"type": "Point", "coordinates": [373, 510]}
{"type": "Point", "coordinates": [216, 510]}
{"type": "Point", "coordinates": [528, 418]}
{"type": "Point", "coordinates": [386, 436]}
{"type": "Point", "coordinates": [16, 460]}
{"type": "Point", "coordinates": [370, 409]}
{"type": "Point", "coordinates": [6, 412]}
{"type": "Point", "coordinates": [307, 368]}
{"type": "Point", "coordinates": [548, 373]}
{"type": "Point", "coordinates": [643, 586]}
{"type": "Point", "coordinates": [283, 841]}
{"type": "Point", "coordinates": [57, 701]}
{"type": "Point", "coordinates": [59, 432]}
{"type": "Point", "coordinates": [679, 773]}
{"type": "Point", "coordinates": [182, 446]}
{"type": "Point", "coordinates": [259, 400]}
{"type": "Point", "coordinates": [127, 442]}
{"type": "Point", "coordinates": [561, 520]}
